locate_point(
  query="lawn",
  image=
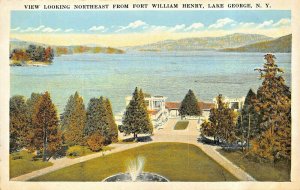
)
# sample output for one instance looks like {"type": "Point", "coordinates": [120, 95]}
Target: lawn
{"type": "Point", "coordinates": [181, 125]}
{"type": "Point", "coordinates": [78, 151]}
{"type": "Point", "coordinates": [21, 163]}
{"type": "Point", "coordinates": [260, 171]}
{"type": "Point", "coordinates": [176, 161]}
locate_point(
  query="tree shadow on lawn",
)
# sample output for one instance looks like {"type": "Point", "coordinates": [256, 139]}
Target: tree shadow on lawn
{"type": "Point", "coordinates": [139, 139]}
{"type": "Point", "coordinates": [226, 146]}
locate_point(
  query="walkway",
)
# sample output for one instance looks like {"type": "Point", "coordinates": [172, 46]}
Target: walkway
{"type": "Point", "coordinates": [167, 134]}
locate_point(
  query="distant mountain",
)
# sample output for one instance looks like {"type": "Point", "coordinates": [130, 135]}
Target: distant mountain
{"type": "Point", "coordinates": [60, 50]}
{"type": "Point", "coordinates": [204, 43]}
{"type": "Point", "coordinates": [279, 45]}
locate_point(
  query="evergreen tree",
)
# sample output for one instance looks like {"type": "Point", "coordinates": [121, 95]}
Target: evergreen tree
{"type": "Point", "coordinates": [73, 120]}
{"type": "Point", "coordinates": [189, 105]}
{"type": "Point", "coordinates": [146, 124]}
{"type": "Point", "coordinates": [100, 120]}
{"type": "Point", "coordinates": [247, 127]}
{"type": "Point", "coordinates": [136, 119]}
{"type": "Point", "coordinates": [30, 137]}
{"type": "Point", "coordinates": [222, 122]}
{"type": "Point", "coordinates": [274, 108]}
{"type": "Point", "coordinates": [18, 123]}
{"type": "Point", "coordinates": [47, 136]}
{"type": "Point", "coordinates": [113, 128]}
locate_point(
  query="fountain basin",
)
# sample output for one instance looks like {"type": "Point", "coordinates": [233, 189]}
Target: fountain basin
{"type": "Point", "coordinates": [143, 177]}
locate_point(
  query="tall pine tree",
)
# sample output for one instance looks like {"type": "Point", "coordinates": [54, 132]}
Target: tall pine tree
{"type": "Point", "coordinates": [30, 137]}
{"type": "Point", "coordinates": [100, 120]}
{"type": "Point", "coordinates": [113, 128]}
{"type": "Point", "coordinates": [189, 105]}
{"type": "Point", "coordinates": [74, 120]}
{"type": "Point", "coordinates": [274, 108]}
{"type": "Point", "coordinates": [136, 118]}
{"type": "Point", "coordinates": [222, 122]}
{"type": "Point", "coordinates": [18, 123]}
{"type": "Point", "coordinates": [247, 126]}
{"type": "Point", "coordinates": [47, 136]}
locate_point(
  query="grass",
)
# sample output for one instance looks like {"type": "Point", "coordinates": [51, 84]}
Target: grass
{"type": "Point", "coordinates": [176, 161]}
{"type": "Point", "coordinates": [181, 125]}
{"type": "Point", "coordinates": [21, 163]}
{"type": "Point", "coordinates": [78, 151]}
{"type": "Point", "coordinates": [260, 171]}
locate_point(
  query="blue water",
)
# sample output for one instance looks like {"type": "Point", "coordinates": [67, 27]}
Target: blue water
{"type": "Point", "coordinates": [170, 74]}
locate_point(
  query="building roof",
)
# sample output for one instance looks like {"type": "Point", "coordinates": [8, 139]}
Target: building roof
{"type": "Point", "coordinates": [202, 105]}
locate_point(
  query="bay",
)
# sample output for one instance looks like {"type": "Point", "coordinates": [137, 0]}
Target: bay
{"type": "Point", "coordinates": [170, 74]}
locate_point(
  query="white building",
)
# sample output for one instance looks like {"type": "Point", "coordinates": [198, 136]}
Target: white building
{"type": "Point", "coordinates": [156, 106]}
{"type": "Point", "coordinates": [233, 103]}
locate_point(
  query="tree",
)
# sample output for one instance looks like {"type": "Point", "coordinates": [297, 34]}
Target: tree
{"type": "Point", "coordinates": [247, 126]}
{"type": "Point", "coordinates": [274, 108]}
{"type": "Point", "coordinates": [113, 128]}
{"type": "Point", "coordinates": [47, 136]}
{"type": "Point", "coordinates": [95, 141]}
{"type": "Point", "coordinates": [189, 105]}
{"type": "Point", "coordinates": [222, 122]}
{"type": "Point", "coordinates": [18, 123]}
{"type": "Point", "coordinates": [100, 120]}
{"type": "Point", "coordinates": [48, 55]}
{"type": "Point", "coordinates": [136, 119]}
{"type": "Point", "coordinates": [74, 120]}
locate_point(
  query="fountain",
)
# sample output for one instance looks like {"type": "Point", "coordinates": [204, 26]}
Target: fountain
{"type": "Point", "coordinates": [135, 173]}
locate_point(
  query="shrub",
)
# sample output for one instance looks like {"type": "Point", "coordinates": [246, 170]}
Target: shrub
{"type": "Point", "coordinates": [95, 142]}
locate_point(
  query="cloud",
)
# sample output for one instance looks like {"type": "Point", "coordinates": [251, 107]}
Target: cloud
{"type": "Point", "coordinates": [97, 28]}
{"type": "Point", "coordinates": [15, 29]}
{"type": "Point", "coordinates": [246, 24]}
{"type": "Point", "coordinates": [132, 25]}
{"type": "Point", "coordinates": [177, 28]}
{"type": "Point", "coordinates": [38, 28]}
{"type": "Point", "coordinates": [221, 23]}
{"type": "Point", "coordinates": [51, 30]}
{"type": "Point", "coordinates": [265, 24]}
{"type": "Point", "coordinates": [32, 29]}
{"type": "Point", "coordinates": [194, 27]}
{"type": "Point", "coordinates": [283, 22]}
{"type": "Point", "coordinates": [69, 30]}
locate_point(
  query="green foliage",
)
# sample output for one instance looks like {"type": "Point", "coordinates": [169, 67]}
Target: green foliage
{"type": "Point", "coordinates": [136, 118]}
{"type": "Point", "coordinates": [261, 171]}
{"type": "Point", "coordinates": [222, 122]}
{"type": "Point", "coordinates": [18, 123]}
{"type": "Point", "coordinates": [74, 120]}
{"type": "Point", "coordinates": [248, 127]}
{"type": "Point", "coordinates": [181, 125]}
{"type": "Point", "coordinates": [96, 142]}
{"type": "Point", "coordinates": [25, 163]}
{"type": "Point", "coordinates": [47, 136]}
{"type": "Point", "coordinates": [33, 53]}
{"type": "Point", "coordinates": [274, 108]}
{"type": "Point", "coordinates": [78, 151]}
{"type": "Point", "coordinates": [189, 105]}
{"type": "Point", "coordinates": [100, 120]}
{"type": "Point", "coordinates": [113, 128]}
{"type": "Point", "coordinates": [30, 138]}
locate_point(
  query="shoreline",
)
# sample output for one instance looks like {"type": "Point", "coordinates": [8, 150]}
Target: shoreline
{"type": "Point", "coordinates": [14, 63]}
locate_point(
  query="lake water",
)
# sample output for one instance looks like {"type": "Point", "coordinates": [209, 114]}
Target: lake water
{"type": "Point", "coordinates": [170, 74]}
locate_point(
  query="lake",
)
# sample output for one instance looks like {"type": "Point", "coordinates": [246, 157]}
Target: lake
{"type": "Point", "coordinates": [170, 74]}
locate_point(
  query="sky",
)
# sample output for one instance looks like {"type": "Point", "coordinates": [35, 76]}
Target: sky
{"type": "Point", "coordinates": [129, 28]}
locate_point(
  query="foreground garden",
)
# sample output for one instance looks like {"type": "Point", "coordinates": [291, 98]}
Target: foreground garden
{"type": "Point", "coordinates": [175, 161]}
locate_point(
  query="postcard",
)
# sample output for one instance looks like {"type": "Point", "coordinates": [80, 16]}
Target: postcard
{"type": "Point", "coordinates": [189, 94]}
